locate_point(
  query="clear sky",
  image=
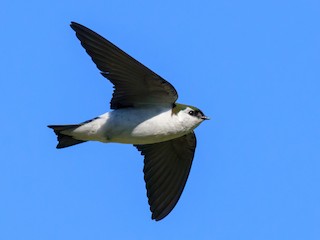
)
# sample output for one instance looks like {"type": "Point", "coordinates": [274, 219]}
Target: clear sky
{"type": "Point", "coordinates": [252, 66]}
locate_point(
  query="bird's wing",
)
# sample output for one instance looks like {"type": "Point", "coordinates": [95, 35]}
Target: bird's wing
{"type": "Point", "coordinates": [134, 84]}
{"type": "Point", "coordinates": [166, 170]}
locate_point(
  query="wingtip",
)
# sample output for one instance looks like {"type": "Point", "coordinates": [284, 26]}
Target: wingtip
{"type": "Point", "coordinates": [155, 218]}
{"type": "Point", "coordinates": [74, 24]}
{"type": "Point", "coordinates": [158, 216]}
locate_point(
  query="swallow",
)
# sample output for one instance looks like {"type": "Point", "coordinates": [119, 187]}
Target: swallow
{"type": "Point", "coordinates": [144, 113]}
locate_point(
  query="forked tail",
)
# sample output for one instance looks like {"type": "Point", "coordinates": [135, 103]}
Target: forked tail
{"type": "Point", "coordinates": [63, 139]}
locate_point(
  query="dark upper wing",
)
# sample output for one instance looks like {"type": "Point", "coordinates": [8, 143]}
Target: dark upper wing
{"type": "Point", "coordinates": [134, 83]}
{"type": "Point", "coordinates": [166, 169]}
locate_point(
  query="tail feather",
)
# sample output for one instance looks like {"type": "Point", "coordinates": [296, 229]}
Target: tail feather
{"type": "Point", "coordinates": [63, 139]}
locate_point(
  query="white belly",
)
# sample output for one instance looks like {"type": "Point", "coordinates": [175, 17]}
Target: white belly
{"type": "Point", "coordinates": [134, 126]}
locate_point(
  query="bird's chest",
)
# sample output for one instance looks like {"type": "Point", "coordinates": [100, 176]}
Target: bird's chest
{"type": "Point", "coordinates": [158, 126]}
{"type": "Point", "coordinates": [139, 130]}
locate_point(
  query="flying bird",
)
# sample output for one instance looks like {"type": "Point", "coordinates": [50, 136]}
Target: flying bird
{"type": "Point", "coordinates": [144, 113]}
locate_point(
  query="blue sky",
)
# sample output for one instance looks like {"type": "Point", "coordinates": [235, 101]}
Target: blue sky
{"type": "Point", "coordinates": [252, 66]}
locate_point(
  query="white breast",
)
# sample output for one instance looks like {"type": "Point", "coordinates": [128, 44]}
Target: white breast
{"type": "Point", "coordinates": [134, 125]}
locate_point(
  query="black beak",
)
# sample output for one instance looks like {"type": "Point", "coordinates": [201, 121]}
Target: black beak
{"type": "Point", "coordinates": [205, 118]}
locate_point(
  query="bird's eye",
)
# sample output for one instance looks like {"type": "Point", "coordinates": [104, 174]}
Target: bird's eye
{"type": "Point", "coordinates": [191, 113]}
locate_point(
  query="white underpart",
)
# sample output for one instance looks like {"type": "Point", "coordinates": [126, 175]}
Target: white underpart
{"type": "Point", "coordinates": [143, 125]}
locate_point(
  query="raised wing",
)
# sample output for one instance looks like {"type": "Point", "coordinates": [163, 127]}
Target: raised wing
{"type": "Point", "coordinates": [166, 170]}
{"type": "Point", "coordinates": [134, 84]}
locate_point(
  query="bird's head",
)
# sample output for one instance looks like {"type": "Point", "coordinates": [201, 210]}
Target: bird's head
{"type": "Point", "coordinates": [190, 115]}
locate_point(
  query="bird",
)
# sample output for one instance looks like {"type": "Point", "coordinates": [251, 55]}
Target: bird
{"type": "Point", "coordinates": [144, 113]}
